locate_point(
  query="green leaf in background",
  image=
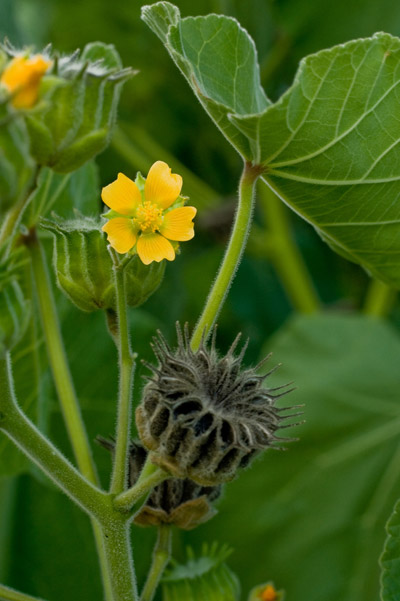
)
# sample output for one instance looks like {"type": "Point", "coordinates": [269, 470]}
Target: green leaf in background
{"type": "Point", "coordinates": [311, 519]}
{"type": "Point", "coordinates": [219, 60]}
{"type": "Point", "coordinates": [390, 560]}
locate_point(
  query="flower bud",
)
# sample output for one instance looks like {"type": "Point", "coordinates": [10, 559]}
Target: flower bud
{"type": "Point", "coordinates": [205, 416]}
{"type": "Point", "coordinates": [82, 264]}
{"type": "Point", "coordinates": [75, 102]}
{"type": "Point", "coordinates": [84, 268]}
{"type": "Point", "coordinates": [206, 577]}
{"type": "Point", "coordinates": [14, 310]}
{"type": "Point", "coordinates": [182, 503]}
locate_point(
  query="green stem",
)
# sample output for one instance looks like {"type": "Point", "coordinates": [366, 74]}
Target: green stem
{"type": "Point", "coordinates": [9, 594]}
{"type": "Point", "coordinates": [161, 557]}
{"type": "Point", "coordinates": [126, 368]}
{"type": "Point", "coordinates": [285, 255]}
{"type": "Point", "coordinates": [118, 551]}
{"type": "Point", "coordinates": [65, 388]}
{"type": "Point", "coordinates": [233, 255]}
{"type": "Point", "coordinates": [58, 361]}
{"type": "Point", "coordinates": [150, 476]}
{"type": "Point", "coordinates": [40, 450]}
{"type": "Point", "coordinates": [380, 299]}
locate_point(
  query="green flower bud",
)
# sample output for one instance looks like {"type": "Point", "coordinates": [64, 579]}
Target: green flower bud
{"type": "Point", "coordinates": [203, 416]}
{"type": "Point", "coordinates": [84, 269]}
{"type": "Point", "coordinates": [206, 577]}
{"type": "Point", "coordinates": [77, 100]}
{"type": "Point", "coordinates": [82, 263]}
{"type": "Point", "coordinates": [14, 310]}
{"type": "Point", "coordinates": [175, 501]}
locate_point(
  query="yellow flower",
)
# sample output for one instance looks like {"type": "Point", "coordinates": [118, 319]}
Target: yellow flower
{"type": "Point", "coordinates": [143, 219]}
{"type": "Point", "coordinates": [268, 593]}
{"type": "Point", "coordinates": [22, 78]}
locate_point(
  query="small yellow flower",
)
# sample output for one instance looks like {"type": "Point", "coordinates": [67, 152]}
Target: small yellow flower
{"type": "Point", "coordinates": [144, 219]}
{"type": "Point", "coordinates": [22, 78]}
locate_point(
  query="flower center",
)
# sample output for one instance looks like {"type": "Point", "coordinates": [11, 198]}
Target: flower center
{"type": "Point", "coordinates": [148, 217]}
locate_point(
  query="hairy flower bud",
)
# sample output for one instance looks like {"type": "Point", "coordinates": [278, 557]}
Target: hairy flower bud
{"type": "Point", "coordinates": [84, 268]}
{"type": "Point", "coordinates": [71, 108]}
{"type": "Point", "coordinates": [204, 577]}
{"type": "Point", "coordinates": [204, 416]}
{"type": "Point", "coordinates": [180, 502]}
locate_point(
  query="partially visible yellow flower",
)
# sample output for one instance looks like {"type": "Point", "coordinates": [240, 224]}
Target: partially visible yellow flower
{"type": "Point", "coordinates": [268, 593]}
{"type": "Point", "coordinates": [144, 219]}
{"type": "Point", "coordinates": [22, 78]}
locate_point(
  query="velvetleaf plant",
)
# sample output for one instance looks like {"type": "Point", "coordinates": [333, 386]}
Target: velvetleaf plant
{"type": "Point", "coordinates": [328, 148]}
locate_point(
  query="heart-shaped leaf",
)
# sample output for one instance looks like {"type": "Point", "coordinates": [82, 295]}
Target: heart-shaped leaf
{"type": "Point", "coordinates": [330, 146]}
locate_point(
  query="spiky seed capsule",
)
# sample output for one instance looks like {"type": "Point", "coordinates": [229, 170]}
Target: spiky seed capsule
{"type": "Point", "coordinates": [175, 501]}
{"type": "Point", "coordinates": [204, 416]}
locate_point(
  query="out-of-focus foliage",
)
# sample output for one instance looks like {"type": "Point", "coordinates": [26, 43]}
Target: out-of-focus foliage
{"type": "Point", "coordinates": [310, 512]}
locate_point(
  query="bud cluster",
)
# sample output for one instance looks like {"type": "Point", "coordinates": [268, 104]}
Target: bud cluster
{"type": "Point", "coordinates": [204, 416]}
{"type": "Point", "coordinates": [72, 104]}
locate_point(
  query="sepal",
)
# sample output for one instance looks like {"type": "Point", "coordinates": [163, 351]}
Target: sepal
{"type": "Point", "coordinates": [204, 577]}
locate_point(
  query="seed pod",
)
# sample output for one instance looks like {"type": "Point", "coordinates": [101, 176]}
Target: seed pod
{"type": "Point", "coordinates": [73, 118]}
{"type": "Point", "coordinates": [84, 267]}
{"type": "Point", "coordinates": [202, 416]}
{"type": "Point", "coordinates": [180, 502]}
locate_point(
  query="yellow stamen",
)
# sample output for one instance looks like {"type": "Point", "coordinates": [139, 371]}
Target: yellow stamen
{"type": "Point", "coordinates": [148, 217]}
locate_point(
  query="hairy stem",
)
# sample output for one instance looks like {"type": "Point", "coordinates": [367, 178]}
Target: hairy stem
{"type": "Point", "coordinates": [64, 385]}
{"type": "Point", "coordinates": [150, 476]}
{"type": "Point", "coordinates": [233, 255]}
{"type": "Point", "coordinates": [15, 424]}
{"type": "Point", "coordinates": [161, 557]}
{"type": "Point", "coordinates": [9, 594]}
{"type": "Point", "coordinates": [118, 551]}
{"type": "Point", "coordinates": [285, 255]}
{"type": "Point", "coordinates": [126, 368]}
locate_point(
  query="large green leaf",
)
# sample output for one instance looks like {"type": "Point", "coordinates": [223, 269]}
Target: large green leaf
{"type": "Point", "coordinates": [390, 560]}
{"type": "Point", "coordinates": [312, 518]}
{"type": "Point", "coordinates": [219, 60]}
{"type": "Point", "coordinates": [329, 146]}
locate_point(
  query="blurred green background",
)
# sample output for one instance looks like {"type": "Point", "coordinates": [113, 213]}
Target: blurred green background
{"type": "Point", "coordinates": [311, 519]}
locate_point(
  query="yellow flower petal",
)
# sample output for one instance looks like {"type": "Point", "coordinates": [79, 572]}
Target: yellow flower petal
{"type": "Point", "coordinates": [122, 196]}
{"type": "Point", "coordinates": [153, 247]}
{"type": "Point", "coordinates": [121, 234]}
{"type": "Point", "coordinates": [22, 78]}
{"type": "Point", "coordinates": [162, 187]}
{"type": "Point", "coordinates": [177, 224]}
